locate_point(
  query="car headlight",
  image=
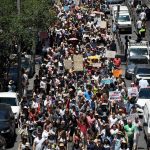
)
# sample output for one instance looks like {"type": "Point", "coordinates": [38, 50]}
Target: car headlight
{"type": "Point", "coordinates": [5, 131]}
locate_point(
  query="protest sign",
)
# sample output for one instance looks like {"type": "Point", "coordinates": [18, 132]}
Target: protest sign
{"type": "Point", "coordinates": [68, 64]}
{"type": "Point", "coordinates": [106, 81]}
{"type": "Point", "coordinates": [110, 54]}
{"type": "Point", "coordinates": [97, 65]}
{"type": "Point", "coordinates": [117, 72]}
{"type": "Point", "coordinates": [78, 62]}
{"type": "Point", "coordinates": [132, 91]}
{"type": "Point", "coordinates": [115, 95]}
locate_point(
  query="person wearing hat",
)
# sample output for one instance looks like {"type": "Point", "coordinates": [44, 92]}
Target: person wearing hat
{"type": "Point", "coordinates": [11, 86]}
{"type": "Point", "coordinates": [27, 146]}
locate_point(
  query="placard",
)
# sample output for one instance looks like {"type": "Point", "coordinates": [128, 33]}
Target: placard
{"type": "Point", "coordinates": [68, 64]}
{"type": "Point", "coordinates": [103, 25]}
{"type": "Point", "coordinates": [78, 62]}
{"type": "Point", "coordinates": [110, 54]}
{"type": "Point", "coordinates": [106, 81]}
{"type": "Point", "coordinates": [97, 65]}
{"type": "Point", "coordinates": [115, 95]}
{"type": "Point", "coordinates": [117, 72]}
{"type": "Point", "coordinates": [132, 91]}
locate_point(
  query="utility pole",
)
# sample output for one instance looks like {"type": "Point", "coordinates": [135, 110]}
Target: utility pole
{"type": "Point", "coordinates": [19, 55]}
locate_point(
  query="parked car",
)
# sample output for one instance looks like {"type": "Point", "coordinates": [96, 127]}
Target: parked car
{"type": "Point", "coordinates": [7, 123]}
{"type": "Point", "coordinates": [132, 61]}
{"type": "Point", "coordinates": [12, 99]}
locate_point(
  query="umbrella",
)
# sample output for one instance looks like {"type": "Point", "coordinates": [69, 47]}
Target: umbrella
{"type": "Point", "coordinates": [73, 39]}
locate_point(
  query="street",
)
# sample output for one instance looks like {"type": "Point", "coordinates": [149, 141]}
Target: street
{"type": "Point", "coordinates": [142, 142]}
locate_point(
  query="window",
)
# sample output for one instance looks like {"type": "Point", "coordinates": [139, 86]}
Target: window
{"type": "Point", "coordinates": [8, 100]}
{"type": "Point", "coordinates": [4, 115]}
{"type": "Point", "coordinates": [138, 51]}
{"type": "Point", "coordinates": [138, 61]}
{"type": "Point", "coordinates": [144, 93]}
{"type": "Point", "coordinates": [122, 18]}
{"type": "Point", "coordinates": [143, 71]}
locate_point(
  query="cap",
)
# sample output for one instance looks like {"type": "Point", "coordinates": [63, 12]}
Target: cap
{"type": "Point", "coordinates": [27, 144]}
{"type": "Point", "coordinates": [61, 144]}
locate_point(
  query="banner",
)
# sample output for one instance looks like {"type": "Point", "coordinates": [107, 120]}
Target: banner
{"type": "Point", "coordinates": [117, 72]}
{"type": "Point", "coordinates": [110, 54]}
{"type": "Point", "coordinates": [132, 91]}
{"type": "Point", "coordinates": [115, 95]}
{"type": "Point", "coordinates": [68, 64]}
{"type": "Point", "coordinates": [78, 62]}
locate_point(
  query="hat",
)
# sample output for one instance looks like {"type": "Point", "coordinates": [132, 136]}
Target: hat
{"type": "Point", "coordinates": [61, 144]}
{"type": "Point", "coordinates": [96, 114]}
{"type": "Point", "coordinates": [25, 107]}
{"type": "Point", "coordinates": [27, 144]}
{"type": "Point", "coordinates": [11, 82]}
{"type": "Point", "coordinates": [59, 102]}
{"type": "Point", "coordinates": [43, 78]}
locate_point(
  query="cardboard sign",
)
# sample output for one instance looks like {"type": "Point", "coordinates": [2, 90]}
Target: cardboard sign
{"type": "Point", "coordinates": [78, 62]}
{"type": "Point", "coordinates": [132, 91]}
{"type": "Point", "coordinates": [68, 64]}
{"type": "Point", "coordinates": [103, 25]}
{"type": "Point", "coordinates": [106, 81]}
{"type": "Point", "coordinates": [117, 72]}
{"type": "Point", "coordinates": [110, 54]}
{"type": "Point", "coordinates": [115, 95]}
{"type": "Point", "coordinates": [97, 65]}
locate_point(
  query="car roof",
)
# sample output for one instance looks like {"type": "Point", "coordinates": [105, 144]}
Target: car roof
{"type": "Point", "coordinates": [8, 94]}
{"type": "Point", "coordinates": [143, 66]}
{"type": "Point", "coordinates": [138, 57]}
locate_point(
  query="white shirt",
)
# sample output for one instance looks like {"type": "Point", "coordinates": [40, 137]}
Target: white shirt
{"type": "Point", "coordinates": [139, 24]}
{"type": "Point", "coordinates": [112, 121]}
{"type": "Point", "coordinates": [38, 143]}
{"type": "Point", "coordinates": [34, 105]}
{"type": "Point", "coordinates": [42, 85]}
{"type": "Point", "coordinates": [45, 134]}
{"type": "Point", "coordinates": [142, 15]}
{"type": "Point", "coordinates": [143, 83]}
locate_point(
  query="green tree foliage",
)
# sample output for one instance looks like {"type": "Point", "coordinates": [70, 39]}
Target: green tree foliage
{"type": "Point", "coordinates": [36, 15]}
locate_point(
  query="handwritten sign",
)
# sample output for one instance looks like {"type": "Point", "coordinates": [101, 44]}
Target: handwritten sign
{"type": "Point", "coordinates": [115, 95]}
{"type": "Point", "coordinates": [68, 64]}
{"type": "Point", "coordinates": [132, 91]}
{"type": "Point", "coordinates": [110, 54]}
{"type": "Point", "coordinates": [78, 62]}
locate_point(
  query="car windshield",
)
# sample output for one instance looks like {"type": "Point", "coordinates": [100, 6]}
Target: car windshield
{"type": "Point", "coordinates": [144, 93]}
{"type": "Point", "coordinates": [138, 51]}
{"type": "Point", "coordinates": [143, 71]}
{"type": "Point", "coordinates": [8, 100]}
{"type": "Point", "coordinates": [138, 61]}
{"type": "Point", "coordinates": [122, 18]}
{"type": "Point", "coordinates": [4, 115]}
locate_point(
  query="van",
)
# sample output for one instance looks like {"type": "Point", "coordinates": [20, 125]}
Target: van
{"type": "Point", "coordinates": [12, 99]}
{"type": "Point", "coordinates": [146, 124]}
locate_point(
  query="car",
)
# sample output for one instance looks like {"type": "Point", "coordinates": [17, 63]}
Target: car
{"type": "Point", "coordinates": [114, 2]}
{"type": "Point", "coordinates": [132, 61]}
{"type": "Point", "coordinates": [7, 123]}
{"type": "Point", "coordinates": [143, 97]}
{"type": "Point", "coordinates": [12, 99]}
{"type": "Point", "coordinates": [141, 71]}
{"type": "Point", "coordinates": [124, 22]}
{"type": "Point", "coordinates": [138, 48]}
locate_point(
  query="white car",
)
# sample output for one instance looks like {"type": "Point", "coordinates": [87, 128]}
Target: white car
{"type": "Point", "coordinates": [143, 97]}
{"type": "Point", "coordinates": [12, 99]}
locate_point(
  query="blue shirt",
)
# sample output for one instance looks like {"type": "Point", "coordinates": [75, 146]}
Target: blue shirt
{"type": "Point", "coordinates": [88, 95]}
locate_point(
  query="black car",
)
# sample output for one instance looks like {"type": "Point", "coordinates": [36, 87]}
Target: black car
{"type": "Point", "coordinates": [132, 62]}
{"type": "Point", "coordinates": [7, 124]}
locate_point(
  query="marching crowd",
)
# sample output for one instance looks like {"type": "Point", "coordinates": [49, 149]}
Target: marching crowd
{"type": "Point", "coordinates": [72, 109]}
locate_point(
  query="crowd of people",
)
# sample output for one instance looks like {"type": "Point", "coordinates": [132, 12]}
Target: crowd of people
{"type": "Point", "coordinates": [73, 109]}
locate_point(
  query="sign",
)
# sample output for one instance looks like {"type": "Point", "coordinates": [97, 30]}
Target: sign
{"type": "Point", "coordinates": [110, 54]}
{"type": "Point", "coordinates": [117, 72]}
{"type": "Point", "coordinates": [78, 62]}
{"type": "Point", "coordinates": [103, 25]}
{"type": "Point", "coordinates": [107, 81]}
{"type": "Point", "coordinates": [97, 65]}
{"type": "Point", "coordinates": [115, 95]}
{"type": "Point", "coordinates": [68, 64]}
{"type": "Point", "coordinates": [132, 91]}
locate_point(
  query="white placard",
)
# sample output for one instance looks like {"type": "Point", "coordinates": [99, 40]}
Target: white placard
{"type": "Point", "coordinates": [115, 95]}
{"type": "Point", "coordinates": [132, 91]}
{"type": "Point", "coordinates": [110, 54]}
